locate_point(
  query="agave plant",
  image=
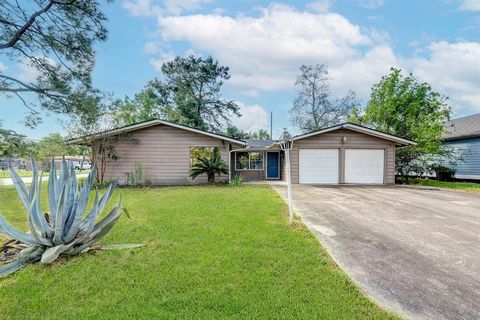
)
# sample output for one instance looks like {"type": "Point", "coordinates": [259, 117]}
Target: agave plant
{"type": "Point", "coordinates": [65, 230]}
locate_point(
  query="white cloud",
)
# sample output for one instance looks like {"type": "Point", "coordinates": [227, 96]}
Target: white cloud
{"type": "Point", "coordinates": [452, 69]}
{"type": "Point", "coordinates": [264, 53]}
{"type": "Point", "coordinates": [178, 6]}
{"type": "Point", "coordinates": [361, 73]}
{"type": "Point", "coordinates": [2, 67]}
{"type": "Point", "coordinates": [470, 5]}
{"type": "Point", "coordinates": [175, 7]}
{"type": "Point", "coordinates": [253, 118]}
{"type": "Point", "coordinates": [320, 6]}
{"type": "Point", "coordinates": [27, 72]}
{"type": "Point", "coordinates": [371, 4]}
{"type": "Point", "coordinates": [141, 8]}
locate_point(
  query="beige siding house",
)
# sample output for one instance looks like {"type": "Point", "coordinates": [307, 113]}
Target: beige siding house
{"type": "Point", "coordinates": [343, 154]}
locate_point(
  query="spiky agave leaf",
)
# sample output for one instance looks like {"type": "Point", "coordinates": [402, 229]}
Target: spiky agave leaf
{"type": "Point", "coordinates": [67, 232]}
{"type": "Point", "coordinates": [100, 229]}
{"type": "Point", "coordinates": [7, 230]}
{"type": "Point", "coordinates": [73, 228]}
{"type": "Point", "coordinates": [52, 192]}
{"type": "Point", "coordinates": [53, 253]}
{"type": "Point", "coordinates": [34, 254]}
{"type": "Point", "coordinates": [26, 196]}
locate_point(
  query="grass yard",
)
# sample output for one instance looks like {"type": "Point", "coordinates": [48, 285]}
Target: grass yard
{"type": "Point", "coordinates": [465, 186]}
{"type": "Point", "coordinates": [28, 173]}
{"type": "Point", "coordinates": [21, 173]}
{"type": "Point", "coordinates": [211, 253]}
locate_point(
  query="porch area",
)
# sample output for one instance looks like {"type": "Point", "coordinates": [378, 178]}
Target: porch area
{"type": "Point", "coordinates": [258, 164]}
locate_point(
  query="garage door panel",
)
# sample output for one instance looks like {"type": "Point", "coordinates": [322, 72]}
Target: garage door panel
{"type": "Point", "coordinates": [364, 166]}
{"type": "Point", "coordinates": [318, 166]}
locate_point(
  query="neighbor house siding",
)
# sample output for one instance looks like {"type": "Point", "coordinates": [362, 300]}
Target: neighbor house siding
{"type": "Point", "coordinates": [469, 149]}
{"type": "Point", "coordinates": [164, 153]}
{"type": "Point", "coordinates": [354, 140]}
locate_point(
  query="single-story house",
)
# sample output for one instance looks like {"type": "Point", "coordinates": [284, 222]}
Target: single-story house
{"type": "Point", "coordinates": [342, 154]}
{"type": "Point", "coordinates": [463, 134]}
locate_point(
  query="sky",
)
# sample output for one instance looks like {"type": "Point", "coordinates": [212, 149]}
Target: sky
{"type": "Point", "coordinates": [264, 43]}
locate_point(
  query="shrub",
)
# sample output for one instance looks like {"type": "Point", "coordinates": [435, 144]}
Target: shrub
{"type": "Point", "coordinates": [237, 180]}
{"type": "Point", "coordinates": [135, 178]}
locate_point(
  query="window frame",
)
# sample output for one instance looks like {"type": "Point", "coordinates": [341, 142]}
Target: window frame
{"type": "Point", "coordinates": [190, 152]}
{"type": "Point", "coordinates": [249, 161]}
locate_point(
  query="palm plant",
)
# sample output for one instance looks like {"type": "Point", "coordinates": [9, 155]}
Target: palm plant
{"type": "Point", "coordinates": [63, 231]}
{"type": "Point", "coordinates": [211, 166]}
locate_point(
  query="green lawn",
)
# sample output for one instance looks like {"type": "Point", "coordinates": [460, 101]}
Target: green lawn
{"type": "Point", "coordinates": [28, 173]}
{"type": "Point", "coordinates": [466, 186]}
{"type": "Point", "coordinates": [211, 253]}
{"type": "Point", "coordinates": [21, 173]}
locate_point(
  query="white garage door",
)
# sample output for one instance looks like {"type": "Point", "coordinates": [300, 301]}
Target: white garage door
{"type": "Point", "coordinates": [318, 166]}
{"type": "Point", "coordinates": [364, 166]}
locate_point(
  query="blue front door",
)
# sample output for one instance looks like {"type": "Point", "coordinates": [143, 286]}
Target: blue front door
{"type": "Point", "coordinates": [273, 165]}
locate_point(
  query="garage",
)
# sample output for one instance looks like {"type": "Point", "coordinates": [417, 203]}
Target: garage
{"type": "Point", "coordinates": [364, 166]}
{"type": "Point", "coordinates": [319, 166]}
{"type": "Point", "coordinates": [345, 154]}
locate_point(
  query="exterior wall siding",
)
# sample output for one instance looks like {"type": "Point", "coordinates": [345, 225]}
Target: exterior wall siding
{"type": "Point", "coordinates": [469, 166]}
{"type": "Point", "coordinates": [354, 140]}
{"type": "Point", "coordinates": [164, 153]}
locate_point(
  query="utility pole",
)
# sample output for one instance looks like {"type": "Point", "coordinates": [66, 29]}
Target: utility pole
{"type": "Point", "coordinates": [271, 124]}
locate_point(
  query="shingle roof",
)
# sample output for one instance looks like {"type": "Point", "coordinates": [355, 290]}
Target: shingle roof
{"type": "Point", "coordinates": [252, 143]}
{"type": "Point", "coordinates": [148, 123]}
{"type": "Point", "coordinates": [464, 127]}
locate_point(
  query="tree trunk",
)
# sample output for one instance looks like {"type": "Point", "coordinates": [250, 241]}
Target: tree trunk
{"type": "Point", "coordinates": [211, 178]}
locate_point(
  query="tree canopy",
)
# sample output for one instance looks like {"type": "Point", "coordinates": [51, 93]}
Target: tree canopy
{"type": "Point", "coordinates": [401, 105]}
{"type": "Point", "coordinates": [314, 108]}
{"type": "Point", "coordinates": [13, 144]}
{"type": "Point", "coordinates": [55, 39]}
{"type": "Point", "coordinates": [143, 106]}
{"type": "Point", "coordinates": [54, 145]}
{"type": "Point", "coordinates": [236, 133]}
{"type": "Point", "coordinates": [189, 93]}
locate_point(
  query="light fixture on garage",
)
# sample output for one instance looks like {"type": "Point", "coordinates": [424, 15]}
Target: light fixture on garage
{"type": "Point", "coordinates": [286, 144]}
{"type": "Point", "coordinates": [344, 139]}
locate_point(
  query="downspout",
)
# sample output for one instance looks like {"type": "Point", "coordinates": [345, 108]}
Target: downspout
{"type": "Point", "coordinates": [230, 166]}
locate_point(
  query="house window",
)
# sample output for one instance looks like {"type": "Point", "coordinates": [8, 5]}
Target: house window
{"type": "Point", "coordinates": [201, 152]}
{"type": "Point", "coordinates": [249, 161]}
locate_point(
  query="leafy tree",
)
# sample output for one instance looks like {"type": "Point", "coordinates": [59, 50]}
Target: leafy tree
{"type": "Point", "coordinates": [403, 106]}
{"type": "Point", "coordinates": [13, 144]}
{"type": "Point", "coordinates": [237, 133]}
{"type": "Point", "coordinates": [55, 38]}
{"type": "Point", "coordinates": [190, 94]}
{"type": "Point", "coordinates": [261, 134]}
{"type": "Point", "coordinates": [143, 106]}
{"type": "Point", "coordinates": [97, 121]}
{"type": "Point", "coordinates": [314, 108]}
{"type": "Point", "coordinates": [54, 145]}
{"type": "Point", "coordinates": [209, 165]}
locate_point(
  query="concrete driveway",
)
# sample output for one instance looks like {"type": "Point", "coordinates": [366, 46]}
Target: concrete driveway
{"type": "Point", "coordinates": [414, 251]}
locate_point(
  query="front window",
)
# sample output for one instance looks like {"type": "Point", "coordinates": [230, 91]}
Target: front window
{"type": "Point", "coordinates": [249, 161]}
{"type": "Point", "coordinates": [202, 152]}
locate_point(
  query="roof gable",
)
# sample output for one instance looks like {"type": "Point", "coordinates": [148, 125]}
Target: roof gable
{"type": "Point", "coordinates": [150, 123]}
{"type": "Point", "coordinates": [361, 129]}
